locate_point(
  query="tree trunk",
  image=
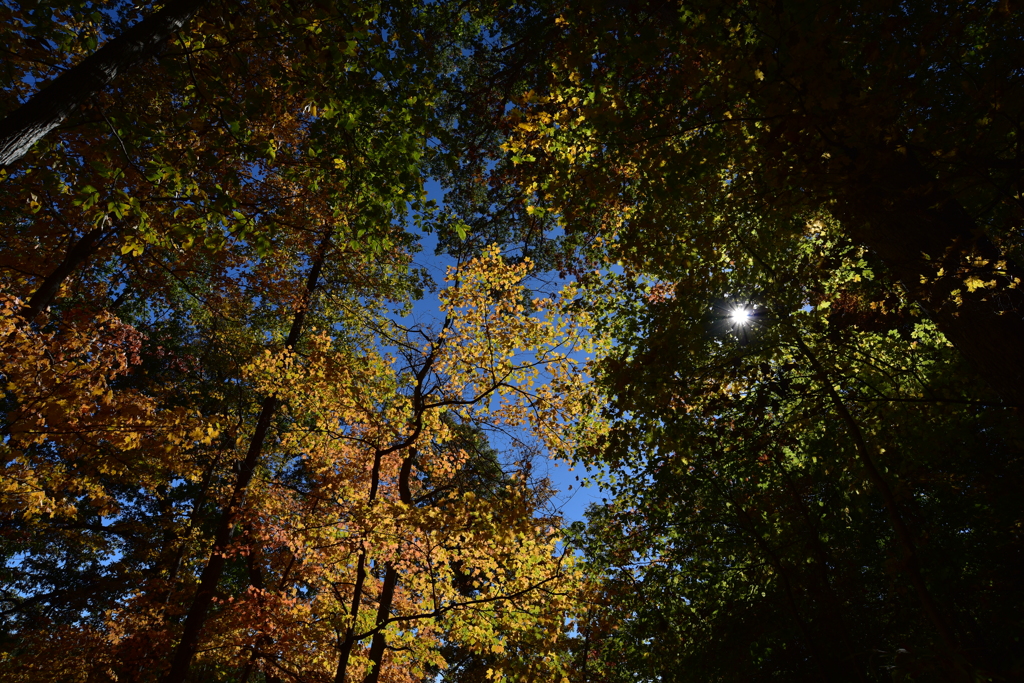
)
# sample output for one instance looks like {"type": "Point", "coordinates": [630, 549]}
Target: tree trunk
{"type": "Point", "coordinates": [27, 124]}
{"type": "Point", "coordinates": [210, 577]}
{"type": "Point", "coordinates": [953, 654]}
{"type": "Point", "coordinates": [345, 649]}
{"type": "Point", "coordinates": [387, 597]}
{"type": "Point", "coordinates": [898, 211]}
{"type": "Point", "coordinates": [81, 250]}
{"type": "Point", "coordinates": [387, 592]}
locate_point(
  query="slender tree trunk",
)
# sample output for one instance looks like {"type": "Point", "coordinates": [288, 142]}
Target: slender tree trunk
{"type": "Point", "coordinates": [911, 561]}
{"type": "Point", "coordinates": [387, 597]}
{"type": "Point", "coordinates": [210, 577]}
{"type": "Point", "coordinates": [27, 124]}
{"type": "Point", "coordinates": [387, 593]}
{"type": "Point", "coordinates": [912, 564]}
{"type": "Point", "coordinates": [897, 209]}
{"type": "Point", "coordinates": [81, 250]}
{"type": "Point", "coordinates": [175, 547]}
{"type": "Point", "coordinates": [345, 650]}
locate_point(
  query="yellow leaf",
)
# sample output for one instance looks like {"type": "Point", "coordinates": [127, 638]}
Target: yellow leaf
{"type": "Point", "coordinates": [974, 282]}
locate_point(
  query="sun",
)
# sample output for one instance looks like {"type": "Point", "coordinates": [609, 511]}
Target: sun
{"type": "Point", "coordinates": [739, 316]}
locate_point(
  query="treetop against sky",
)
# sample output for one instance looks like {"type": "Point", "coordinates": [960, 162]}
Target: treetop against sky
{"type": "Point", "coordinates": [296, 299]}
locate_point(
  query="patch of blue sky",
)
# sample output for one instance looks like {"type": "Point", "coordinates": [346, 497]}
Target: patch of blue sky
{"type": "Point", "coordinates": [572, 491]}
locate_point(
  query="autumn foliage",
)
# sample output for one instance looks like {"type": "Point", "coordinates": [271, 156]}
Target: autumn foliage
{"type": "Point", "coordinates": [755, 265]}
{"type": "Point", "coordinates": [223, 458]}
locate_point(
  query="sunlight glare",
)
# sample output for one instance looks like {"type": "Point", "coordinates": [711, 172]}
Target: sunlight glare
{"type": "Point", "coordinates": [739, 316]}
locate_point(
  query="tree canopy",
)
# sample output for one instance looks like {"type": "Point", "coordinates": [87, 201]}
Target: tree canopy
{"type": "Point", "coordinates": [756, 265]}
